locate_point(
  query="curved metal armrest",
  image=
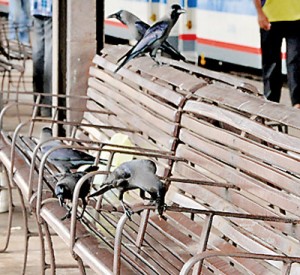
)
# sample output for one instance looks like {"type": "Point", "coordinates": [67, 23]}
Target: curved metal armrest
{"type": "Point", "coordinates": [5, 109]}
{"type": "Point", "coordinates": [13, 148]}
{"type": "Point", "coordinates": [210, 254]}
{"type": "Point", "coordinates": [42, 168]}
{"type": "Point", "coordinates": [120, 225]}
{"type": "Point", "coordinates": [75, 204]}
{"type": "Point", "coordinates": [119, 234]}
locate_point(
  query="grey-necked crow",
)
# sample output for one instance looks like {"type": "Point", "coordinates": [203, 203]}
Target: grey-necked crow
{"type": "Point", "coordinates": [136, 174]}
{"type": "Point", "coordinates": [65, 187]}
{"type": "Point", "coordinates": [154, 36]}
{"type": "Point", "coordinates": [138, 28]}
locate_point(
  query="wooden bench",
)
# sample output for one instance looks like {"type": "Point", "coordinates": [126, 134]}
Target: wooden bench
{"type": "Point", "coordinates": [232, 175]}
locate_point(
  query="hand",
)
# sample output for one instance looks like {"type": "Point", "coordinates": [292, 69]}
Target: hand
{"type": "Point", "coordinates": [263, 22]}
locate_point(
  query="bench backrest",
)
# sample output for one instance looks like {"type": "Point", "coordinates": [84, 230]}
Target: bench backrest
{"type": "Point", "coordinates": [226, 132]}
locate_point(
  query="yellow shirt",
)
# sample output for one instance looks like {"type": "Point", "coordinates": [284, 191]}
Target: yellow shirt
{"type": "Point", "coordinates": [282, 10]}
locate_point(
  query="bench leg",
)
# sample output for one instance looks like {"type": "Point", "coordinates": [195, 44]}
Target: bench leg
{"type": "Point", "coordinates": [50, 247]}
{"type": "Point", "coordinates": [10, 207]}
{"type": "Point", "coordinates": [44, 265]}
{"type": "Point", "coordinates": [27, 232]}
{"type": "Point", "coordinates": [80, 266]}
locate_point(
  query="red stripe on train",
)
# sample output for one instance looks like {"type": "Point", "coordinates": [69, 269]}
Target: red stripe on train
{"type": "Point", "coordinates": [219, 44]}
{"type": "Point", "coordinates": [115, 23]}
{"type": "Point", "coordinates": [4, 3]}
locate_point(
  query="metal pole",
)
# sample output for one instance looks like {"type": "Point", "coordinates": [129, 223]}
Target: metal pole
{"type": "Point", "coordinates": [100, 25]}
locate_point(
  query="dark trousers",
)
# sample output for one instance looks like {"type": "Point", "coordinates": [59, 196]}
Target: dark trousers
{"type": "Point", "coordinates": [42, 59]}
{"type": "Point", "coordinates": [271, 59]}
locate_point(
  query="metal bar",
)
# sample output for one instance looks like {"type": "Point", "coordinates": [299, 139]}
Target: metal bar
{"type": "Point", "coordinates": [203, 241]}
{"type": "Point", "coordinates": [70, 123]}
{"type": "Point", "coordinates": [210, 254]}
{"type": "Point", "coordinates": [203, 182]}
{"type": "Point", "coordinates": [142, 228]}
{"type": "Point", "coordinates": [27, 234]}
{"type": "Point", "coordinates": [81, 266]}
{"type": "Point", "coordinates": [3, 111]}
{"type": "Point", "coordinates": [10, 208]}
{"type": "Point", "coordinates": [42, 247]}
{"type": "Point", "coordinates": [50, 248]}
{"type": "Point", "coordinates": [75, 205]}
{"type": "Point", "coordinates": [233, 214]}
{"type": "Point", "coordinates": [286, 269]}
{"type": "Point", "coordinates": [117, 247]}
{"type": "Point", "coordinates": [13, 149]}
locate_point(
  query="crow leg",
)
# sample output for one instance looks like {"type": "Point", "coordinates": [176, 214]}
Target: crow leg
{"type": "Point", "coordinates": [126, 208]}
{"type": "Point", "coordinates": [84, 204]}
{"type": "Point", "coordinates": [68, 214]}
{"type": "Point", "coordinates": [143, 195]}
{"type": "Point", "coordinates": [153, 56]}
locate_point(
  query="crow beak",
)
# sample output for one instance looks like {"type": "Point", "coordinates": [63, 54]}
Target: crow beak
{"type": "Point", "coordinates": [112, 16]}
{"type": "Point", "coordinates": [96, 193]}
{"type": "Point", "coordinates": [181, 11]}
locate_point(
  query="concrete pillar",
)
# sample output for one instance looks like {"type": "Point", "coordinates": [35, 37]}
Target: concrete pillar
{"type": "Point", "coordinates": [81, 48]}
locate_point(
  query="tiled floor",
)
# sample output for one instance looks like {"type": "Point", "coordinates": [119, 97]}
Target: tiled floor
{"type": "Point", "coordinates": [11, 261]}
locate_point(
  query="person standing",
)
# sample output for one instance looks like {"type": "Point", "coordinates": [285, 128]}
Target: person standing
{"type": "Point", "coordinates": [279, 19]}
{"type": "Point", "coordinates": [41, 11]}
{"type": "Point", "coordinates": [19, 20]}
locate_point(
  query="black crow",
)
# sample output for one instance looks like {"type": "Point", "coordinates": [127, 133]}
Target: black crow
{"type": "Point", "coordinates": [154, 37]}
{"type": "Point", "coordinates": [63, 158]}
{"type": "Point", "coordinates": [65, 187]}
{"type": "Point", "coordinates": [138, 28]}
{"type": "Point", "coordinates": [136, 174]}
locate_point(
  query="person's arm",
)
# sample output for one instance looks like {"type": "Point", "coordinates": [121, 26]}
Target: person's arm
{"type": "Point", "coordinates": [263, 20]}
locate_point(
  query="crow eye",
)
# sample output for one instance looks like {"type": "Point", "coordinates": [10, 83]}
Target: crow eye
{"type": "Point", "coordinates": [127, 175]}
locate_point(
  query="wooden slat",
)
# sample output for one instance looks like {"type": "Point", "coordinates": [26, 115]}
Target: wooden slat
{"type": "Point", "coordinates": [194, 228]}
{"type": "Point", "coordinates": [283, 140]}
{"type": "Point", "coordinates": [172, 77]}
{"type": "Point", "coordinates": [138, 110]}
{"type": "Point", "coordinates": [250, 185]}
{"type": "Point", "coordinates": [154, 88]}
{"type": "Point", "coordinates": [138, 95]}
{"type": "Point", "coordinates": [251, 166]}
{"type": "Point", "coordinates": [252, 105]}
{"type": "Point", "coordinates": [240, 143]}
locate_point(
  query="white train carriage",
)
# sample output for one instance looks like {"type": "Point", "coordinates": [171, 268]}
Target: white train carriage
{"type": "Point", "coordinates": [223, 30]}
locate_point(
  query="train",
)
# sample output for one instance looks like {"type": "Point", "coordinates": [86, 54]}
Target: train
{"type": "Point", "coordinates": [4, 6]}
{"type": "Point", "coordinates": [220, 30]}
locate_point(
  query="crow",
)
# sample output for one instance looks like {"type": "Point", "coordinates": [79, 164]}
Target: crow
{"type": "Point", "coordinates": [63, 158]}
{"type": "Point", "coordinates": [138, 28]}
{"type": "Point", "coordinates": [65, 187]}
{"type": "Point", "coordinates": [136, 174]}
{"type": "Point", "coordinates": [154, 37]}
